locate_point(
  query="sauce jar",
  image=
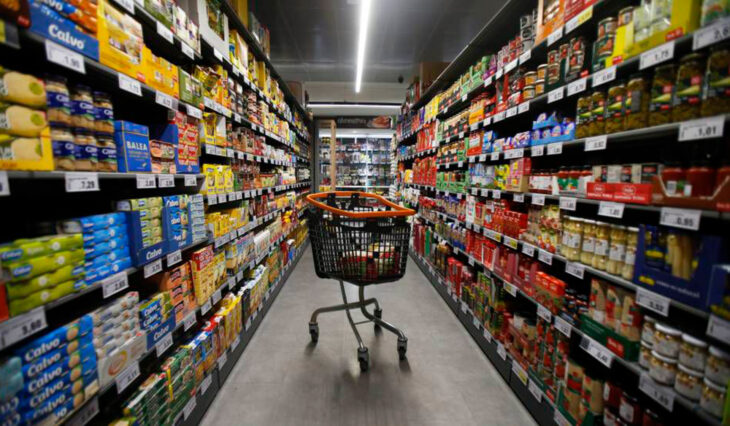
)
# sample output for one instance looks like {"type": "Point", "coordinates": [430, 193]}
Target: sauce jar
{"type": "Point", "coordinates": [662, 369]}
{"type": "Point", "coordinates": [107, 151]}
{"type": "Point", "coordinates": [666, 340]}
{"type": "Point", "coordinates": [58, 101]}
{"type": "Point", "coordinates": [702, 179]}
{"type": "Point", "coordinates": [539, 87]}
{"type": "Point", "coordinates": [598, 114]}
{"type": "Point", "coordinates": [583, 117]}
{"type": "Point", "coordinates": [688, 383]}
{"type": "Point", "coordinates": [86, 153]}
{"type": "Point", "coordinates": [647, 330]}
{"type": "Point", "coordinates": [632, 241]}
{"type": "Point", "coordinates": [103, 113]}
{"type": "Point", "coordinates": [688, 88]}
{"type": "Point", "coordinates": [718, 365]}
{"type": "Point", "coordinates": [645, 354]}
{"type": "Point", "coordinates": [617, 249]}
{"type": "Point", "coordinates": [530, 78]}
{"type": "Point", "coordinates": [541, 72]}
{"type": "Point", "coordinates": [629, 410]}
{"type": "Point", "coordinates": [589, 241]}
{"type": "Point", "coordinates": [636, 106]}
{"type": "Point", "coordinates": [662, 88]}
{"type": "Point", "coordinates": [716, 90]}
{"type": "Point", "coordinates": [600, 253]}
{"type": "Point", "coordinates": [82, 108]}
{"type": "Point", "coordinates": [615, 108]}
{"type": "Point", "coordinates": [692, 352]}
{"type": "Point", "coordinates": [713, 397]}
{"type": "Point", "coordinates": [528, 92]}
{"type": "Point", "coordinates": [64, 148]}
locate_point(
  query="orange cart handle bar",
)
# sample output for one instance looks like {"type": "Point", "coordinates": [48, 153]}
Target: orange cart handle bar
{"type": "Point", "coordinates": [396, 212]}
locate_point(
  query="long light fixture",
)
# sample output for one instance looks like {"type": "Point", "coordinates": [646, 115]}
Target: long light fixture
{"type": "Point", "coordinates": [348, 105]}
{"type": "Point", "coordinates": [362, 37]}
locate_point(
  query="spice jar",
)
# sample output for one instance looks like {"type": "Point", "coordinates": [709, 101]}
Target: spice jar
{"type": "Point", "coordinates": [541, 72]}
{"type": "Point", "coordinates": [647, 330]}
{"type": "Point", "coordinates": [86, 153]}
{"type": "Point", "coordinates": [530, 78]}
{"type": "Point", "coordinates": [666, 340]}
{"type": "Point", "coordinates": [718, 365]}
{"type": "Point", "coordinates": [82, 108]}
{"type": "Point", "coordinates": [589, 241]}
{"type": "Point", "coordinates": [58, 101]}
{"type": "Point", "coordinates": [107, 151]}
{"type": "Point", "coordinates": [662, 369]}
{"type": "Point", "coordinates": [688, 383]}
{"type": "Point", "coordinates": [636, 106]}
{"type": "Point", "coordinates": [692, 352]}
{"type": "Point", "coordinates": [528, 92]}
{"type": "Point", "coordinates": [687, 90]}
{"type": "Point", "coordinates": [539, 87]}
{"type": "Point", "coordinates": [600, 252]}
{"type": "Point", "coordinates": [632, 241]}
{"type": "Point", "coordinates": [716, 90]}
{"type": "Point", "coordinates": [617, 249]}
{"type": "Point", "coordinates": [713, 397]}
{"type": "Point", "coordinates": [103, 113]}
{"type": "Point", "coordinates": [583, 117]}
{"type": "Point", "coordinates": [64, 148]}
{"type": "Point", "coordinates": [662, 88]}
{"type": "Point", "coordinates": [645, 354]}
{"type": "Point", "coordinates": [598, 114]}
{"type": "Point", "coordinates": [615, 108]}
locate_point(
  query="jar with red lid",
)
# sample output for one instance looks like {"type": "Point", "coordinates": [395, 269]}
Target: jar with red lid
{"type": "Point", "coordinates": [629, 409]}
{"type": "Point", "coordinates": [701, 177]}
{"type": "Point", "coordinates": [563, 176]}
{"type": "Point", "coordinates": [573, 176]}
{"type": "Point", "coordinates": [674, 177]}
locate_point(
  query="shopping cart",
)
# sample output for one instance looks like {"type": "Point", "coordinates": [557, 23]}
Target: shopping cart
{"type": "Point", "coordinates": [363, 239]}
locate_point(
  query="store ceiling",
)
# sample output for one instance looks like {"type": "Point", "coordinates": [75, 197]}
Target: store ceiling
{"type": "Point", "coordinates": [316, 40]}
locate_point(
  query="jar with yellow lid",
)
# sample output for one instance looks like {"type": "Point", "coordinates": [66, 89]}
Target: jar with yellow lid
{"type": "Point", "coordinates": [588, 242]}
{"type": "Point", "coordinates": [615, 117]}
{"type": "Point", "coordinates": [666, 340]}
{"type": "Point", "coordinates": [688, 87]}
{"type": "Point", "coordinates": [645, 354]}
{"type": "Point", "coordinates": [713, 397]}
{"type": "Point", "coordinates": [632, 241]}
{"type": "Point", "coordinates": [718, 365]}
{"type": "Point", "coordinates": [600, 253]}
{"type": "Point", "coordinates": [617, 249]}
{"type": "Point", "coordinates": [692, 352]}
{"type": "Point", "coordinates": [662, 369]}
{"type": "Point", "coordinates": [688, 383]}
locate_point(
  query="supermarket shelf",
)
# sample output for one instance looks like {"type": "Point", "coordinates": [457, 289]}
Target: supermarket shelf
{"type": "Point", "coordinates": [363, 186]}
{"type": "Point", "coordinates": [227, 197]}
{"type": "Point", "coordinates": [357, 164]}
{"type": "Point", "coordinates": [219, 151]}
{"type": "Point", "coordinates": [423, 153]}
{"type": "Point", "coordinates": [18, 174]}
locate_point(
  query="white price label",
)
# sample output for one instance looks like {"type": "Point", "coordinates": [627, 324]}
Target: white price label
{"type": "Point", "coordinates": [81, 182]}
{"type": "Point", "coordinates": [85, 414]}
{"type": "Point", "coordinates": [702, 128]}
{"type": "Point", "coordinates": [579, 19]}
{"type": "Point", "coordinates": [114, 284]}
{"type": "Point", "coordinates": [453, 296]}
{"type": "Point", "coordinates": [525, 56]}
{"type": "Point", "coordinates": [194, 112]}
{"type": "Point", "coordinates": [568, 203]}
{"type": "Point", "coordinates": [216, 296]}
{"type": "Point", "coordinates": [523, 107]}
{"type": "Point", "coordinates": [519, 372]}
{"type": "Point", "coordinates": [611, 209]}
{"type": "Point", "coordinates": [235, 343]}
{"type": "Point", "coordinates": [680, 218]}
{"type": "Point", "coordinates": [596, 143]}
{"type": "Point", "coordinates": [657, 55]}
{"type": "Point", "coordinates": [164, 32]}
{"type": "Point", "coordinates": [519, 198]}
{"type": "Point", "coordinates": [560, 419]}
{"type": "Point", "coordinates": [222, 360]}
{"type": "Point", "coordinates": [126, 377]}
{"type": "Point", "coordinates": [494, 156]}
{"type": "Point", "coordinates": [510, 288]}
{"type": "Point", "coordinates": [483, 157]}
{"type": "Point", "coordinates": [230, 153]}
{"type": "Point", "coordinates": [464, 307]}
{"type": "Point", "coordinates": [4, 184]}
{"type": "Point", "coordinates": [597, 351]}
{"type": "Point", "coordinates": [718, 328]}
{"type": "Point", "coordinates": [127, 4]}
{"type": "Point", "coordinates": [538, 199]}
{"type": "Point", "coordinates": [166, 100]}
{"type": "Point", "coordinates": [20, 327]}
{"type": "Point", "coordinates": [604, 76]}
{"type": "Point", "coordinates": [535, 390]}
{"type": "Point", "coordinates": [189, 407]}
{"type": "Point", "coordinates": [205, 384]}
{"type": "Point", "coordinates": [146, 181]}
{"type": "Point", "coordinates": [716, 32]}
{"type": "Point", "coordinates": [187, 50]}
{"type": "Point", "coordinates": [496, 194]}
{"type": "Point", "coordinates": [475, 322]}
{"type": "Point", "coordinates": [555, 36]}
{"type": "Point", "coordinates": [212, 199]}
{"type": "Point", "coordinates": [661, 394]}
{"type": "Point", "coordinates": [544, 313]}
{"type": "Point", "coordinates": [65, 57]}
{"type": "Point", "coordinates": [174, 258]}
{"type": "Point", "coordinates": [189, 321]}
{"type": "Point", "coordinates": [511, 112]}
{"type": "Point", "coordinates": [473, 127]}
{"type": "Point", "coordinates": [575, 269]}
{"type": "Point", "coordinates": [152, 268]}
{"type": "Point", "coordinates": [563, 326]}
{"type": "Point", "coordinates": [545, 257]}
{"type": "Point", "coordinates": [487, 335]}
{"type": "Point", "coordinates": [487, 121]}
{"type": "Point", "coordinates": [528, 249]}
{"type": "Point", "coordinates": [501, 351]}
{"type": "Point", "coordinates": [205, 307]}
{"type": "Point", "coordinates": [163, 344]}
{"type": "Point", "coordinates": [221, 198]}
{"type": "Point", "coordinates": [652, 301]}
{"type": "Point", "coordinates": [165, 181]}
{"type": "Point", "coordinates": [498, 116]}
{"type": "Point", "coordinates": [537, 150]}
{"type": "Point", "coordinates": [488, 81]}
{"type": "Point", "coordinates": [218, 55]}
{"type": "Point", "coordinates": [510, 242]}
{"type": "Point", "coordinates": [556, 94]}
{"type": "Point", "coordinates": [130, 85]}
{"type": "Point", "coordinates": [464, 97]}
{"type": "Point", "coordinates": [555, 148]}
{"type": "Point", "coordinates": [514, 153]}
{"type": "Point", "coordinates": [577, 86]}
{"type": "Point", "coordinates": [510, 66]}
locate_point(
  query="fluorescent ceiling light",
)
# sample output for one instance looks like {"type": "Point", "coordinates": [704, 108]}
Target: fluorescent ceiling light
{"type": "Point", "coordinates": [346, 105]}
{"type": "Point", "coordinates": [362, 36]}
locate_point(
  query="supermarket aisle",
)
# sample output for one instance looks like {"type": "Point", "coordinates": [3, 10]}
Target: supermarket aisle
{"type": "Point", "coordinates": [282, 380]}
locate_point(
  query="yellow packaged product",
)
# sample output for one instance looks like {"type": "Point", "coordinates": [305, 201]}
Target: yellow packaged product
{"type": "Point", "coordinates": [120, 41]}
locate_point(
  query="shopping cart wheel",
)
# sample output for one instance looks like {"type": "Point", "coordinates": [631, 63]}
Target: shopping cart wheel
{"type": "Point", "coordinates": [402, 348]}
{"type": "Point", "coordinates": [314, 331]}
{"type": "Point", "coordinates": [379, 315]}
{"type": "Point", "coordinates": [364, 358]}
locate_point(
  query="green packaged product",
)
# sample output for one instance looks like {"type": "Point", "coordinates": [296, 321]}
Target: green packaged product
{"type": "Point", "coordinates": [65, 273]}
{"type": "Point", "coordinates": [34, 247]}
{"type": "Point", "coordinates": [25, 304]}
{"type": "Point", "coordinates": [29, 268]}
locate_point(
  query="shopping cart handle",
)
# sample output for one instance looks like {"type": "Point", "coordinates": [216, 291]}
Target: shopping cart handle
{"type": "Point", "coordinates": [396, 212]}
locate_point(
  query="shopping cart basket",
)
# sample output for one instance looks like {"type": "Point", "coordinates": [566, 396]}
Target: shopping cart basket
{"type": "Point", "coordinates": [363, 239]}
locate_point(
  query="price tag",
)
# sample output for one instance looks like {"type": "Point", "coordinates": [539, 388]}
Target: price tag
{"type": "Point", "coordinates": [152, 268]}
{"type": "Point", "coordinates": [163, 344]}
{"type": "Point", "coordinates": [4, 184]}
{"type": "Point", "coordinates": [20, 327]}
{"type": "Point", "coordinates": [501, 351]}
{"type": "Point", "coordinates": [187, 50]}
{"type": "Point", "coordinates": [146, 181]}
{"type": "Point", "coordinates": [652, 301]}
{"type": "Point", "coordinates": [189, 321]}
{"type": "Point", "coordinates": [126, 377]}
{"type": "Point", "coordinates": [464, 307]}
{"type": "Point", "coordinates": [535, 390]}
{"type": "Point", "coordinates": [222, 360]}
{"type": "Point", "coordinates": [166, 181]}
{"type": "Point", "coordinates": [114, 284]}
{"type": "Point", "coordinates": [568, 203]}
{"type": "Point", "coordinates": [487, 121]}
{"type": "Point", "coordinates": [464, 98]}
{"type": "Point", "coordinates": [212, 199]}
{"type": "Point", "coordinates": [194, 112]}
{"type": "Point", "coordinates": [488, 81]}
{"type": "Point", "coordinates": [514, 153]}
{"type": "Point", "coordinates": [205, 384]}
{"type": "Point", "coordinates": [487, 335]}
{"type": "Point", "coordinates": [166, 100]}
{"type": "Point", "coordinates": [510, 288]}
{"type": "Point", "coordinates": [510, 242]}
{"type": "Point", "coordinates": [537, 150]}
{"type": "Point", "coordinates": [174, 258]}
{"type": "Point", "coordinates": [716, 32]}
{"type": "Point", "coordinates": [519, 372]}
{"type": "Point", "coordinates": [597, 351]}
{"type": "Point", "coordinates": [65, 57]}
{"type": "Point", "coordinates": [525, 56]}
{"type": "Point", "coordinates": [189, 407]}
{"type": "Point", "coordinates": [239, 275]}
{"type": "Point", "coordinates": [475, 322]}
{"type": "Point", "coordinates": [235, 343]}
{"type": "Point", "coordinates": [560, 419]}
{"type": "Point", "coordinates": [563, 326]}
{"type": "Point", "coordinates": [510, 66]}
{"type": "Point", "coordinates": [657, 55]}
{"type": "Point", "coordinates": [523, 107]}
{"type": "Point", "coordinates": [718, 328]}
{"type": "Point", "coordinates": [454, 297]}
{"type": "Point", "coordinates": [218, 55]}
{"type": "Point", "coordinates": [577, 86]}
{"type": "Point", "coordinates": [596, 143]}
{"type": "Point", "coordinates": [680, 218]}
{"type": "Point", "coordinates": [604, 76]}
{"type": "Point", "coordinates": [555, 36]}
{"type": "Point", "coordinates": [498, 116]}
{"type": "Point", "coordinates": [579, 19]}
{"type": "Point", "coordinates": [555, 148]}
{"type": "Point", "coordinates": [544, 313]}
{"type": "Point", "coordinates": [494, 156]}
{"type": "Point", "coordinates": [545, 257]}
{"type": "Point", "coordinates": [611, 209]}
{"type": "Point", "coordinates": [221, 198]}
{"type": "Point", "coordinates": [538, 199]}
{"type": "Point", "coordinates": [130, 85]}
{"type": "Point", "coordinates": [205, 307]}
{"type": "Point", "coordinates": [164, 32]}
{"type": "Point", "coordinates": [496, 194]}
{"type": "Point", "coordinates": [511, 112]}
{"type": "Point", "coordinates": [127, 4]}
{"type": "Point", "coordinates": [661, 394]}
{"type": "Point", "coordinates": [85, 414]}
{"type": "Point", "coordinates": [216, 296]}
{"type": "Point", "coordinates": [556, 94]}
{"type": "Point", "coordinates": [473, 127]}
{"type": "Point", "coordinates": [528, 249]}
{"type": "Point", "coordinates": [81, 182]}
{"type": "Point", "coordinates": [703, 128]}
{"type": "Point", "coordinates": [575, 269]}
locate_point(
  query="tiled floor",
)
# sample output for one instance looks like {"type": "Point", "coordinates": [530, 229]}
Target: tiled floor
{"type": "Point", "coordinates": [282, 379]}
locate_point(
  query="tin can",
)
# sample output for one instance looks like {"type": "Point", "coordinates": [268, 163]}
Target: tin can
{"type": "Point", "coordinates": [607, 26]}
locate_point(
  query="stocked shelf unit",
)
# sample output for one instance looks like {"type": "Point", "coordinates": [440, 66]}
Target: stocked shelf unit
{"type": "Point", "coordinates": [36, 200]}
{"type": "Point", "coordinates": [422, 140]}
{"type": "Point", "coordinates": [362, 163]}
